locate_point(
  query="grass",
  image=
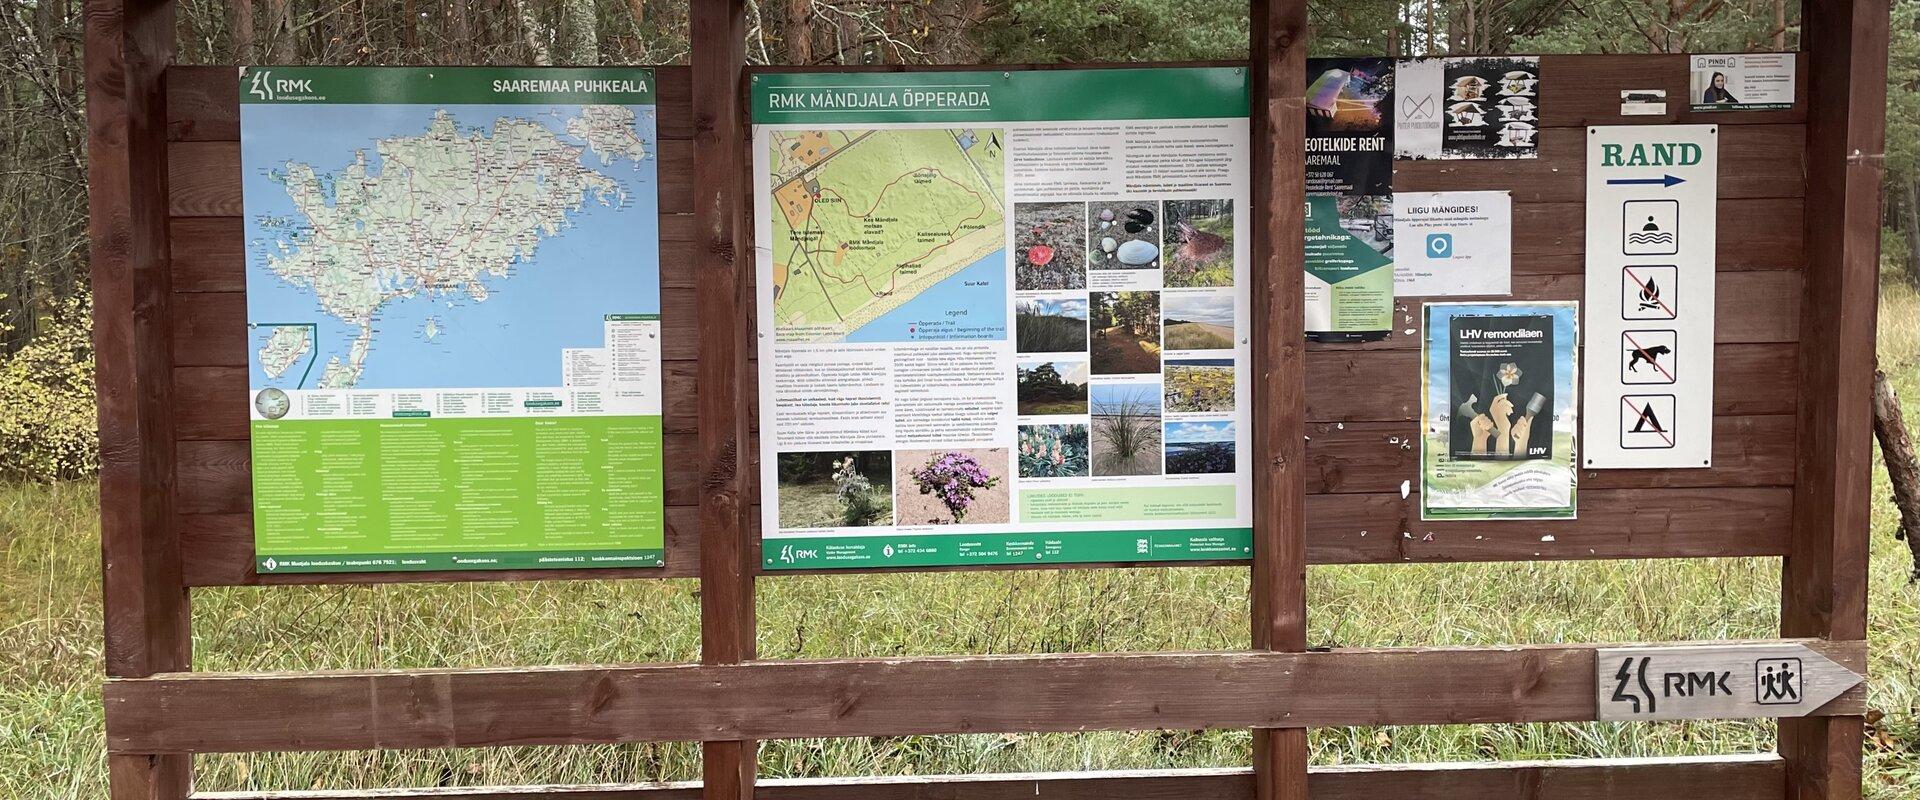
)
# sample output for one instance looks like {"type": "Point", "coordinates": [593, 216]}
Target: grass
{"type": "Point", "coordinates": [50, 719]}
{"type": "Point", "coordinates": [817, 505]}
{"type": "Point", "coordinates": [1049, 333]}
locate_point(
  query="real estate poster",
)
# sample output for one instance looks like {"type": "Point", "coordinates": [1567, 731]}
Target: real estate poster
{"type": "Point", "coordinates": [1003, 317]}
{"type": "Point", "coordinates": [1497, 421]}
{"type": "Point", "coordinates": [453, 318]}
{"type": "Point", "coordinates": [1349, 173]}
{"type": "Point", "coordinates": [1740, 82]}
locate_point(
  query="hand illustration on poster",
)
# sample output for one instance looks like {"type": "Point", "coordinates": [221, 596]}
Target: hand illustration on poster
{"type": "Point", "coordinates": [1498, 418]}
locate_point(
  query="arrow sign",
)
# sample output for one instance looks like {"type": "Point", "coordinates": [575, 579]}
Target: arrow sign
{"type": "Point", "coordinates": [1730, 681]}
{"type": "Point", "coordinates": [1668, 180]}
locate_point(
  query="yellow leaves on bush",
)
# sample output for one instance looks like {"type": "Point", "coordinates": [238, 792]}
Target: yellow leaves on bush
{"type": "Point", "coordinates": [47, 425]}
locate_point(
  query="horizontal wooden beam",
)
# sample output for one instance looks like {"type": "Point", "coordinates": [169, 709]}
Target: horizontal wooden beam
{"type": "Point", "coordinates": [394, 709]}
{"type": "Point", "coordinates": [1731, 777]}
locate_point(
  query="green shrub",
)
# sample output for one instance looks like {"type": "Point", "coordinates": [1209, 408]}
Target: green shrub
{"type": "Point", "coordinates": [47, 400]}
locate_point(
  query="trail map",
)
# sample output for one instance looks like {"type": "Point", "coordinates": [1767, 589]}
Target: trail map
{"type": "Point", "coordinates": [869, 220]}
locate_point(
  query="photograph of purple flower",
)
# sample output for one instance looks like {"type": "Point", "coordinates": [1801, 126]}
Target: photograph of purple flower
{"type": "Point", "coordinates": [951, 487]}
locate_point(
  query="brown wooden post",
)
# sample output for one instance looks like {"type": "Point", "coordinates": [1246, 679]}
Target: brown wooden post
{"type": "Point", "coordinates": [725, 310]}
{"type": "Point", "coordinates": [1824, 590]}
{"type": "Point", "coordinates": [1278, 190]}
{"type": "Point", "coordinates": [128, 46]}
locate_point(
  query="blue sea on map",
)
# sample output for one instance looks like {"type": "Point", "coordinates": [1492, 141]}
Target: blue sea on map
{"type": "Point", "coordinates": [606, 261]}
{"type": "Point", "coordinates": [980, 290]}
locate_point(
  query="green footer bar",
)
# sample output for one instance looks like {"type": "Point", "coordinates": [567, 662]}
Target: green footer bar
{"type": "Point", "coordinates": [421, 562]}
{"type": "Point", "coordinates": [951, 549]}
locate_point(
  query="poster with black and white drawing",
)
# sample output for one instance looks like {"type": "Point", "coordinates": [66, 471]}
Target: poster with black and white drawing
{"type": "Point", "coordinates": [1461, 108]}
{"type": "Point", "coordinates": [1498, 418]}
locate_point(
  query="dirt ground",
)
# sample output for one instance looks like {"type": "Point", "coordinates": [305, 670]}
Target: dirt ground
{"type": "Point", "coordinates": [1119, 352]}
{"type": "Point", "coordinates": [989, 505]}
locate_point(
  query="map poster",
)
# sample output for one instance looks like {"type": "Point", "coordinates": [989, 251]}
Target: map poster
{"type": "Point", "coordinates": [453, 318]}
{"type": "Point", "coordinates": [1497, 423]}
{"type": "Point", "coordinates": [1003, 317]}
{"type": "Point", "coordinates": [1470, 107]}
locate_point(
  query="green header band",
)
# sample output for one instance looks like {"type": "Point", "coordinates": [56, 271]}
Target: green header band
{"type": "Point", "coordinates": [792, 98]}
{"type": "Point", "coordinates": [625, 86]}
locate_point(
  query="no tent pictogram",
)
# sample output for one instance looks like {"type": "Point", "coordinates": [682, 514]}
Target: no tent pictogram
{"type": "Point", "coordinates": [1646, 422]}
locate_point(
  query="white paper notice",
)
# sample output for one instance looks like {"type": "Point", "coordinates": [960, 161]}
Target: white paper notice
{"type": "Point", "coordinates": [1453, 243]}
{"type": "Point", "coordinates": [1648, 364]}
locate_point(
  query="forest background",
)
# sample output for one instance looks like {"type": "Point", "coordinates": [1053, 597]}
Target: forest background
{"type": "Point", "coordinates": [50, 739]}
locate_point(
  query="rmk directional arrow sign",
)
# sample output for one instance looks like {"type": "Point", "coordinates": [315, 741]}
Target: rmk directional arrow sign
{"type": "Point", "coordinates": [1729, 681]}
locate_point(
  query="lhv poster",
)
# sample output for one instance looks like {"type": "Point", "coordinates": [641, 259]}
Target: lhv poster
{"type": "Point", "coordinates": [453, 318]}
{"type": "Point", "coordinates": [1497, 423]}
{"type": "Point", "coordinates": [1003, 317]}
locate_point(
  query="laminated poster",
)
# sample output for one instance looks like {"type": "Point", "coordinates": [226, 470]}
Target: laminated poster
{"type": "Point", "coordinates": [1741, 82]}
{"type": "Point", "coordinates": [1498, 421]}
{"type": "Point", "coordinates": [1473, 107]}
{"type": "Point", "coordinates": [453, 318]}
{"type": "Point", "coordinates": [1349, 173]}
{"type": "Point", "coordinates": [1003, 317]}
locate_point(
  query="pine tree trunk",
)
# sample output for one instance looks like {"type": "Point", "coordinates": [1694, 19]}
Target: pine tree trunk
{"type": "Point", "coordinates": [580, 32]}
{"type": "Point", "coordinates": [1903, 470]}
{"type": "Point", "coordinates": [243, 51]}
{"type": "Point", "coordinates": [799, 32]}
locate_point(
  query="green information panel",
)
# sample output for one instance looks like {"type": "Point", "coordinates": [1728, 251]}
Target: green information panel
{"type": "Point", "coordinates": [1003, 317]}
{"type": "Point", "coordinates": [453, 305]}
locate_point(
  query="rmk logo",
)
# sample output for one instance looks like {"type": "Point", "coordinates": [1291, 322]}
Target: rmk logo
{"type": "Point", "coordinates": [265, 87]}
{"type": "Point", "coordinates": [788, 555]}
{"type": "Point", "coordinates": [1630, 684]}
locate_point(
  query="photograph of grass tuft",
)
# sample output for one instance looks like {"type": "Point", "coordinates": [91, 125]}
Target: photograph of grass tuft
{"type": "Point", "coordinates": [1126, 429]}
{"type": "Point", "coordinates": [1126, 333]}
{"type": "Point", "coordinates": [838, 489]}
{"type": "Point", "coordinates": [1051, 387]}
{"type": "Point", "coordinates": [1199, 243]}
{"type": "Point", "coordinates": [1199, 321]}
{"type": "Point", "coordinates": [1199, 385]}
{"type": "Point", "coordinates": [1049, 246]}
{"type": "Point", "coordinates": [1050, 326]}
{"type": "Point", "coordinates": [1199, 448]}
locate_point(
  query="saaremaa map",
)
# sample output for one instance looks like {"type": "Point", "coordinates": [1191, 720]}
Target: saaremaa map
{"type": "Point", "coordinates": [440, 247]}
{"type": "Point", "coordinates": [867, 222]}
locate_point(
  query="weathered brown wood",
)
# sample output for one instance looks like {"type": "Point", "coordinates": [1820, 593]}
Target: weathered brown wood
{"type": "Point", "coordinates": [1737, 777]}
{"type": "Point", "coordinates": [203, 103]}
{"type": "Point", "coordinates": [1277, 32]}
{"type": "Point", "coordinates": [204, 178]}
{"type": "Point", "coordinates": [1755, 161]}
{"type": "Point", "coordinates": [147, 623]}
{"type": "Point", "coordinates": [390, 709]}
{"type": "Point", "coordinates": [727, 455]}
{"type": "Point", "coordinates": [1824, 580]}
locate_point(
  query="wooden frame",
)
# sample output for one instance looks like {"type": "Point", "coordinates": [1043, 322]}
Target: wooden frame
{"type": "Point", "coordinates": [1789, 477]}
